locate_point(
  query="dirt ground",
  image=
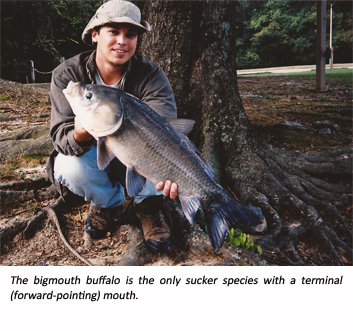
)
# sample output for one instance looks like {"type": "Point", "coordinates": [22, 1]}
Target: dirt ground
{"type": "Point", "coordinates": [285, 111]}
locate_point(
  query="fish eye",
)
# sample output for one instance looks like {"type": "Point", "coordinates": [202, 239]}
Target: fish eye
{"type": "Point", "coordinates": [89, 95]}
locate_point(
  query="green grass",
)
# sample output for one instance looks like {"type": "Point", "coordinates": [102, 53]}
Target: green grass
{"type": "Point", "coordinates": [336, 76]}
{"type": "Point", "coordinates": [4, 97]}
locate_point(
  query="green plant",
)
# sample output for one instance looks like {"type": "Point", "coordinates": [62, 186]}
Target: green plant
{"type": "Point", "coordinates": [34, 209]}
{"type": "Point", "coordinates": [239, 238]}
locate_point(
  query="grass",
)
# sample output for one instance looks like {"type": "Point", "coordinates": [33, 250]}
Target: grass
{"type": "Point", "coordinates": [4, 97]}
{"type": "Point", "coordinates": [293, 97]}
{"type": "Point", "coordinates": [336, 76]}
{"type": "Point", "coordinates": [7, 168]}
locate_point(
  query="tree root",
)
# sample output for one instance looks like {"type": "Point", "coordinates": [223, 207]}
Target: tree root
{"type": "Point", "coordinates": [282, 182]}
{"type": "Point", "coordinates": [26, 185]}
{"type": "Point", "coordinates": [276, 181]}
{"type": "Point", "coordinates": [191, 245]}
{"type": "Point", "coordinates": [27, 225]}
{"type": "Point", "coordinates": [15, 198]}
{"type": "Point", "coordinates": [290, 262]}
{"type": "Point", "coordinates": [54, 219]}
{"type": "Point", "coordinates": [14, 194]}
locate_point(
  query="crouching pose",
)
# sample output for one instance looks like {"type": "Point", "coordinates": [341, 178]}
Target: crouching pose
{"type": "Point", "coordinates": [113, 31]}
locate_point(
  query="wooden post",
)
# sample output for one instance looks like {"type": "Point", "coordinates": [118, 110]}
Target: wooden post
{"type": "Point", "coordinates": [331, 48]}
{"type": "Point", "coordinates": [33, 76]}
{"type": "Point", "coordinates": [321, 45]}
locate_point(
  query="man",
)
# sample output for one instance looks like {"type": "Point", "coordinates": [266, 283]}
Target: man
{"type": "Point", "coordinates": [114, 29]}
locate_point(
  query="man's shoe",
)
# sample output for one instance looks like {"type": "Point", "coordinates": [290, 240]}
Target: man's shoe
{"type": "Point", "coordinates": [155, 230]}
{"type": "Point", "coordinates": [99, 221]}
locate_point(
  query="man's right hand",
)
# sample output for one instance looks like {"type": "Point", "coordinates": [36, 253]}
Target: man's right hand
{"type": "Point", "coordinates": [80, 133]}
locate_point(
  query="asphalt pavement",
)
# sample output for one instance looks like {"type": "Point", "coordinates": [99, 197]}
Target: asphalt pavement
{"type": "Point", "coordinates": [282, 70]}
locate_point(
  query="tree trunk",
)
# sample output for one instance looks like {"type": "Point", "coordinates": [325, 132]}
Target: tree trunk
{"type": "Point", "coordinates": [194, 42]}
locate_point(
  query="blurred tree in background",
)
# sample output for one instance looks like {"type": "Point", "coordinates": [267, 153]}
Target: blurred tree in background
{"type": "Point", "coordinates": [42, 31]}
{"type": "Point", "coordinates": [281, 33]}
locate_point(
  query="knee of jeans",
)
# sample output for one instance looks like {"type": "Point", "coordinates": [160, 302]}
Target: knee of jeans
{"type": "Point", "coordinates": [69, 169]}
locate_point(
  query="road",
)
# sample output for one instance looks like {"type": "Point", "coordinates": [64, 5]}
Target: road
{"type": "Point", "coordinates": [282, 70]}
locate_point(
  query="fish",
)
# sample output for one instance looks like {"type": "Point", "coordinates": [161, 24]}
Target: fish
{"type": "Point", "coordinates": [157, 148]}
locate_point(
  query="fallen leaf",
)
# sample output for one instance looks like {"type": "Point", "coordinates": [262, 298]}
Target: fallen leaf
{"type": "Point", "coordinates": [344, 259]}
{"type": "Point", "coordinates": [36, 251]}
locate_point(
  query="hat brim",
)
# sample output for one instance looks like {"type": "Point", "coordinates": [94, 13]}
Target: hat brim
{"type": "Point", "coordinates": [97, 21]}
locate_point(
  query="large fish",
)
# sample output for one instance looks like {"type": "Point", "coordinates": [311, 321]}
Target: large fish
{"type": "Point", "coordinates": [157, 148]}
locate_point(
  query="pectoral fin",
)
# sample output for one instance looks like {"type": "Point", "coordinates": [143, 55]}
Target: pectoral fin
{"type": "Point", "coordinates": [104, 156]}
{"type": "Point", "coordinates": [134, 182]}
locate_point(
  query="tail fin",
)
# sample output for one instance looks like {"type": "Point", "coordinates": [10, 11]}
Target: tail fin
{"type": "Point", "coordinates": [225, 212]}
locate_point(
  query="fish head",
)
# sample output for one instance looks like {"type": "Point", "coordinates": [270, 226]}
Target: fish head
{"type": "Point", "coordinates": [98, 107]}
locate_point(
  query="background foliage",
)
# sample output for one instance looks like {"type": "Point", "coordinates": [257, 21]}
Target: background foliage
{"type": "Point", "coordinates": [281, 33]}
{"type": "Point", "coordinates": [42, 31]}
{"type": "Point", "coordinates": [269, 33]}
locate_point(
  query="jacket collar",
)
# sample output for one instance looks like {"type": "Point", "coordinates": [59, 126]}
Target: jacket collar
{"type": "Point", "coordinates": [91, 67]}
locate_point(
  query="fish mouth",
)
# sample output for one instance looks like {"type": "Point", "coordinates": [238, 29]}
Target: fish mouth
{"type": "Point", "coordinates": [86, 110]}
{"type": "Point", "coordinates": [103, 132]}
{"type": "Point", "coordinates": [73, 89]}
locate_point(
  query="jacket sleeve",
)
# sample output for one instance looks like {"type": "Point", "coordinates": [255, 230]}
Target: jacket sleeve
{"type": "Point", "coordinates": [158, 94]}
{"type": "Point", "coordinates": [62, 117]}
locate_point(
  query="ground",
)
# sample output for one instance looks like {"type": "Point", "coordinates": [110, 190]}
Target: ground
{"type": "Point", "coordinates": [286, 111]}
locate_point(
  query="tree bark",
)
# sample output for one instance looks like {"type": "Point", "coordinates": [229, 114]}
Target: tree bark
{"type": "Point", "coordinates": [193, 43]}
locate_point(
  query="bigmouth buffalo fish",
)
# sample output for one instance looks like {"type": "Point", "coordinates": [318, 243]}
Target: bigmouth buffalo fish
{"type": "Point", "coordinates": [158, 149]}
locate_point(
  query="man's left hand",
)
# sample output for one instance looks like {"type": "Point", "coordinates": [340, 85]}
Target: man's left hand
{"type": "Point", "coordinates": [169, 189]}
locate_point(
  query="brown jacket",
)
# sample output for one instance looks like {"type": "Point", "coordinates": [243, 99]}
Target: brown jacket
{"type": "Point", "coordinates": [144, 79]}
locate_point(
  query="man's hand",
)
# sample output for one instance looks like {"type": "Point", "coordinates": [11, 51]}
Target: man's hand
{"type": "Point", "coordinates": [80, 133]}
{"type": "Point", "coordinates": [169, 188]}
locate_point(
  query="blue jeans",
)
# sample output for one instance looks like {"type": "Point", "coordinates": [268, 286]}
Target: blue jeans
{"type": "Point", "coordinates": [104, 188]}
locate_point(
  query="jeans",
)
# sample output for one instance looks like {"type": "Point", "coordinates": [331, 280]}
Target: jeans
{"type": "Point", "coordinates": [104, 188]}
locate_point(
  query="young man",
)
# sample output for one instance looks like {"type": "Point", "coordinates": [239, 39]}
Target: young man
{"type": "Point", "coordinates": [114, 29]}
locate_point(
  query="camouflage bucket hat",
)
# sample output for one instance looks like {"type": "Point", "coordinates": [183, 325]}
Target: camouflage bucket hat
{"type": "Point", "coordinates": [115, 11]}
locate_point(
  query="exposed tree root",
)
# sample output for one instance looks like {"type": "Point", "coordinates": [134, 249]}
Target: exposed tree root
{"type": "Point", "coordinates": [28, 184]}
{"type": "Point", "coordinates": [27, 225]}
{"type": "Point", "coordinates": [16, 198]}
{"type": "Point", "coordinates": [54, 219]}
{"type": "Point", "coordinates": [14, 194]}
{"type": "Point", "coordinates": [282, 182]}
{"type": "Point", "coordinates": [191, 245]}
{"type": "Point", "coordinates": [26, 142]}
{"type": "Point", "coordinates": [277, 181]}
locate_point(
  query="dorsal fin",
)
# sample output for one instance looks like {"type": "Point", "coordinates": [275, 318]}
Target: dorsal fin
{"type": "Point", "coordinates": [181, 125]}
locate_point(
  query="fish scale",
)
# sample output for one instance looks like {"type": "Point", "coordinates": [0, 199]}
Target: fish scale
{"type": "Point", "coordinates": [157, 148]}
{"type": "Point", "coordinates": [160, 158]}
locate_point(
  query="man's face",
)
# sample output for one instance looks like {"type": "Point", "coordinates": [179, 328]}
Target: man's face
{"type": "Point", "coordinates": [116, 43]}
